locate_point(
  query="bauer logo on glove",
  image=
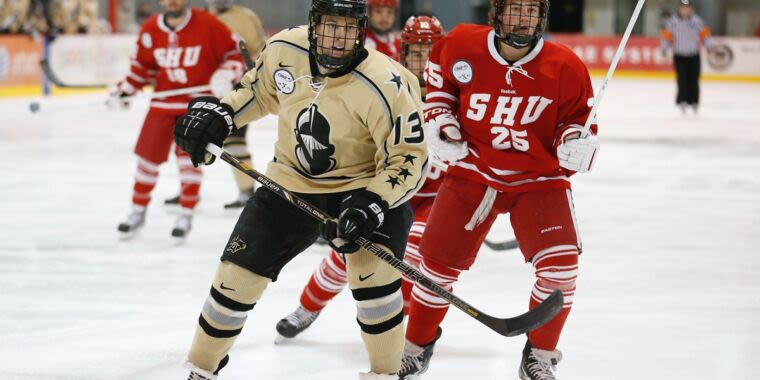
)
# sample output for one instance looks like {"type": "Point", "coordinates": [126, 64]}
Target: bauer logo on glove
{"type": "Point", "coordinates": [207, 121]}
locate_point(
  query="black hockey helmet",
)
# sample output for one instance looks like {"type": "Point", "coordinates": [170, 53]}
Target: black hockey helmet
{"type": "Point", "coordinates": [327, 43]}
{"type": "Point", "coordinates": [516, 35]}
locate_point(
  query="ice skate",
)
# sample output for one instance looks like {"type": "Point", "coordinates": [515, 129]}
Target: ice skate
{"type": "Point", "coordinates": [538, 364]}
{"type": "Point", "coordinates": [197, 376]}
{"type": "Point", "coordinates": [197, 373]}
{"type": "Point", "coordinates": [182, 226]}
{"type": "Point", "coordinates": [135, 220]}
{"type": "Point", "coordinates": [416, 360]}
{"type": "Point", "coordinates": [294, 324]}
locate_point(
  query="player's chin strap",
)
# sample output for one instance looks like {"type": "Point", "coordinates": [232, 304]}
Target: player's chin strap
{"type": "Point", "coordinates": [484, 208]}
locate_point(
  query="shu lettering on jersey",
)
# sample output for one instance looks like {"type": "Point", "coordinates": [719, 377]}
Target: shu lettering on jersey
{"type": "Point", "coordinates": [177, 56]}
{"type": "Point", "coordinates": [507, 108]}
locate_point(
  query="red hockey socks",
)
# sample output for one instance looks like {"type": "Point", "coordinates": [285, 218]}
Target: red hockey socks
{"type": "Point", "coordinates": [427, 309]}
{"type": "Point", "coordinates": [556, 268]}
{"type": "Point", "coordinates": [326, 282]}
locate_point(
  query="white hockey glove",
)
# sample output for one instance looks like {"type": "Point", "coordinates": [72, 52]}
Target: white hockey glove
{"type": "Point", "coordinates": [222, 82]}
{"type": "Point", "coordinates": [119, 95]}
{"type": "Point", "coordinates": [578, 154]}
{"type": "Point", "coordinates": [445, 138]}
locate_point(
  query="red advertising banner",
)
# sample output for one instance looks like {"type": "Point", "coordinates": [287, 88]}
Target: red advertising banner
{"type": "Point", "coordinates": [20, 61]}
{"type": "Point", "coordinates": [641, 53]}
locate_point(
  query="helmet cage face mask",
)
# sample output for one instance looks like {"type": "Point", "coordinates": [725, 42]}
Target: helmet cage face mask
{"type": "Point", "coordinates": [415, 56]}
{"type": "Point", "coordinates": [519, 23]}
{"type": "Point", "coordinates": [337, 31]}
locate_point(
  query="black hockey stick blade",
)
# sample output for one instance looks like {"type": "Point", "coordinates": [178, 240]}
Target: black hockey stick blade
{"type": "Point", "coordinates": [531, 320]}
{"type": "Point", "coordinates": [45, 65]}
{"type": "Point", "coordinates": [501, 245]}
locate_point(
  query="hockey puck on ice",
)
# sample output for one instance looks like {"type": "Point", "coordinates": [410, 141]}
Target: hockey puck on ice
{"type": "Point", "coordinates": [34, 107]}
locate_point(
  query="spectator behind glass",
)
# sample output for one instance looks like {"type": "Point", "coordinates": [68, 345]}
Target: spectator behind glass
{"type": "Point", "coordinates": [37, 21]}
{"type": "Point", "coordinates": [13, 15]}
{"type": "Point", "coordinates": [75, 16]}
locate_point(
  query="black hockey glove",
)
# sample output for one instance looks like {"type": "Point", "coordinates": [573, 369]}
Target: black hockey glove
{"type": "Point", "coordinates": [207, 121]}
{"type": "Point", "coordinates": [361, 213]}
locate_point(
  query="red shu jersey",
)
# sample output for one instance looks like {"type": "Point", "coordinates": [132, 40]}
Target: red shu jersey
{"type": "Point", "coordinates": [388, 44]}
{"type": "Point", "coordinates": [513, 116]}
{"type": "Point", "coordinates": [183, 57]}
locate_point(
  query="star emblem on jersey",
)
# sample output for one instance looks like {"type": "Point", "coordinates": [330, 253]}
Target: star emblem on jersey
{"type": "Point", "coordinates": [396, 81]}
{"type": "Point", "coordinates": [405, 173]}
{"type": "Point", "coordinates": [393, 181]}
{"type": "Point", "coordinates": [409, 159]}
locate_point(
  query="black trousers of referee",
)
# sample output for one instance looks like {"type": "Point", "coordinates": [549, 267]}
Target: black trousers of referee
{"type": "Point", "coordinates": [688, 69]}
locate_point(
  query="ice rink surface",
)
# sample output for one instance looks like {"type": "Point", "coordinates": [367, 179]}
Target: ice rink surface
{"type": "Point", "coordinates": [668, 289]}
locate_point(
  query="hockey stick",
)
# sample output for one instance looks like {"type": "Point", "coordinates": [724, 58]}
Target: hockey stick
{"type": "Point", "coordinates": [45, 65]}
{"type": "Point", "coordinates": [496, 246]}
{"type": "Point", "coordinates": [35, 106]}
{"type": "Point", "coordinates": [502, 245]}
{"type": "Point", "coordinates": [514, 326]}
{"type": "Point", "coordinates": [613, 67]}
{"type": "Point", "coordinates": [246, 55]}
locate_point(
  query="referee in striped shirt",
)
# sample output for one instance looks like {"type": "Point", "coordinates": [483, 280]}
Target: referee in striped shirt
{"type": "Point", "coordinates": [685, 33]}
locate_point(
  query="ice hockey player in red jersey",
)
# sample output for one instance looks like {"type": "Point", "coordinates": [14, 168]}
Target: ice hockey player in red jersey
{"type": "Point", "coordinates": [381, 35]}
{"type": "Point", "coordinates": [329, 279]}
{"type": "Point", "coordinates": [179, 48]}
{"type": "Point", "coordinates": [505, 108]}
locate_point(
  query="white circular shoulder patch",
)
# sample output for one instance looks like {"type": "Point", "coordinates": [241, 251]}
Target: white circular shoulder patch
{"type": "Point", "coordinates": [146, 41]}
{"type": "Point", "coordinates": [284, 81]}
{"type": "Point", "coordinates": [462, 71]}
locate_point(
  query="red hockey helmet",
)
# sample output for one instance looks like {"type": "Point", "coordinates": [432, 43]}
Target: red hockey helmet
{"type": "Point", "coordinates": [383, 3]}
{"type": "Point", "coordinates": [422, 30]}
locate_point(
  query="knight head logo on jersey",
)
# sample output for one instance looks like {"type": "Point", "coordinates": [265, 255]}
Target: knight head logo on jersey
{"type": "Point", "coordinates": [314, 150]}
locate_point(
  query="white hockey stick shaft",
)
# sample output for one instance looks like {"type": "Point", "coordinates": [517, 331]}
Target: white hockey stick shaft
{"type": "Point", "coordinates": [613, 66]}
{"type": "Point", "coordinates": [36, 106]}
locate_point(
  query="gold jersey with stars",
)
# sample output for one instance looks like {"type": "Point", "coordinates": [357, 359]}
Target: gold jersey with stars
{"type": "Point", "coordinates": [335, 134]}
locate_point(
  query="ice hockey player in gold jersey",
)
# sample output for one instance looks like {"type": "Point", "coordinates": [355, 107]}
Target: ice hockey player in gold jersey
{"type": "Point", "coordinates": [350, 141]}
{"type": "Point", "coordinates": [247, 26]}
